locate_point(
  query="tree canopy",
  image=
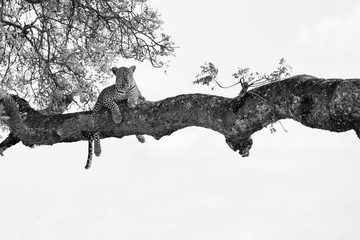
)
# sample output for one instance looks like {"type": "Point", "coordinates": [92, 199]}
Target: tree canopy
{"type": "Point", "coordinates": [52, 52]}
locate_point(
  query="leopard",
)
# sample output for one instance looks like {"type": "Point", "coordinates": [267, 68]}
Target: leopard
{"type": "Point", "coordinates": [125, 88]}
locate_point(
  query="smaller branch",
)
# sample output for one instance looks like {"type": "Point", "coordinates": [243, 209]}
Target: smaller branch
{"type": "Point", "coordinates": [219, 85]}
{"type": "Point", "coordinates": [10, 141]}
{"type": "Point", "coordinates": [11, 24]}
{"type": "Point", "coordinates": [9, 65]}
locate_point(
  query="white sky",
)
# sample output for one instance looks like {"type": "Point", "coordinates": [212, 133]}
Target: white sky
{"type": "Point", "coordinates": [303, 184]}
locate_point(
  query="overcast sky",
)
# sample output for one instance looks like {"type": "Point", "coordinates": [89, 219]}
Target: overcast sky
{"type": "Point", "coordinates": [303, 184]}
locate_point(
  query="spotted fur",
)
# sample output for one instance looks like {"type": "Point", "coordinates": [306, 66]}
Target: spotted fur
{"type": "Point", "coordinates": [90, 151]}
{"type": "Point", "coordinates": [125, 88]}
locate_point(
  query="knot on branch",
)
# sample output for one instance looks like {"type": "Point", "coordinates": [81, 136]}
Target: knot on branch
{"type": "Point", "coordinates": [238, 102]}
{"type": "Point", "coordinates": [241, 145]}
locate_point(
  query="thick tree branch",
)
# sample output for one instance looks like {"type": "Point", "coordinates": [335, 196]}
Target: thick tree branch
{"type": "Point", "coordinates": [330, 104]}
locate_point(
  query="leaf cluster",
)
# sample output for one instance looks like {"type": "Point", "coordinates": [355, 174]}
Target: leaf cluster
{"type": "Point", "coordinates": [243, 76]}
{"type": "Point", "coordinates": [208, 74]}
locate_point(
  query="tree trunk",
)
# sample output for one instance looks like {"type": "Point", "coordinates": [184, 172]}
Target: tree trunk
{"type": "Point", "coordinates": [331, 104]}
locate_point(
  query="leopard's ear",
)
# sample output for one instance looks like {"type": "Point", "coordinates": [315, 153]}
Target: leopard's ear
{"type": "Point", "coordinates": [132, 68]}
{"type": "Point", "coordinates": [114, 69]}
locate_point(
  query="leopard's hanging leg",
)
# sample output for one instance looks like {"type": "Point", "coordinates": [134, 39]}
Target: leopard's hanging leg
{"type": "Point", "coordinates": [97, 146]}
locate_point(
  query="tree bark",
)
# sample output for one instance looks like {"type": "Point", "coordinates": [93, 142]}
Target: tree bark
{"type": "Point", "coordinates": [330, 104]}
{"type": "Point", "coordinates": [35, 1]}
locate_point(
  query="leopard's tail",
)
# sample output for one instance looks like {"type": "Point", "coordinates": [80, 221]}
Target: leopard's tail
{"type": "Point", "coordinates": [90, 151]}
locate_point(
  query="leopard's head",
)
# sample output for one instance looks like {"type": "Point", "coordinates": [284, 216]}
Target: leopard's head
{"type": "Point", "coordinates": [124, 76]}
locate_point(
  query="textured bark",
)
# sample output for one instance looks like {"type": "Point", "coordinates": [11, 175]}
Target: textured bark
{"type": "Point", "coordinates": [330, 104]}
